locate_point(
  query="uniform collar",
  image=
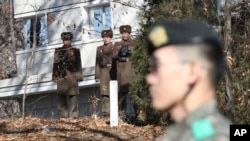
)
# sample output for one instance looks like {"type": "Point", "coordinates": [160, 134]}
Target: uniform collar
{"type": "Point", "coordinates": [66, 47]}
{"type": "Point", "coordinates": [107, 44]}
{"type": "Point", "coordinates": [127, 41]}
{"type": "Point", "coordinates": [202, 112]}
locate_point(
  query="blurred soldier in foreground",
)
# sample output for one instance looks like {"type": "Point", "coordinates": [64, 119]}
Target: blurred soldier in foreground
{"type": "Point", "coordinates": [104, 56]}
{"type": "Point", "coordinates": [186, 64]}
{"type": "Point", "coordinates": [125, 72]}
{"type": "Point", "coordinates": [67, 71]}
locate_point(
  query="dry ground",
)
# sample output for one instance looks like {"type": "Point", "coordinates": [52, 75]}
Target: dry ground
{"type": "Point", "coordinates": [90, 129]}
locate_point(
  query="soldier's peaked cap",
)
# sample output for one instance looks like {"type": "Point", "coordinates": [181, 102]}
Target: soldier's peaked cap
{"type": "Point", "coordinates": [190, 31]}
{"type": "Point", "coordinates": [125, 28]}
{"type": "Point", "coordinates": [107, 33]}
{"type": "Point", "coordinates": [66, 36]}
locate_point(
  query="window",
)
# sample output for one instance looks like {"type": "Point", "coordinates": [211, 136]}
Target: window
{"type": "Point", "coordinates": [100, 19]}
{"type": "Point", "coordinates": [40, 32]}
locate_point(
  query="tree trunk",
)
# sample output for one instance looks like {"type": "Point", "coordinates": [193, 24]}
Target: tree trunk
{"type": "Point", "coordinates": [13, 48]}
{"type": "Point", "coordinates": [29, 70]}
{"type": "Point", "coordinates": [227, 47]}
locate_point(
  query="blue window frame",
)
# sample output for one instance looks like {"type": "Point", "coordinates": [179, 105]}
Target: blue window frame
{"type": "Point", "coordinates": [41, 32]}
{"type": "Point", "coordinates": [100, 19]}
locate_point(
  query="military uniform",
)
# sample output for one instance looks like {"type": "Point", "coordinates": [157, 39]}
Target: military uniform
{"type": "Point", "coordinates": [67, 71]}
{"type": "Point", "coordinates": [125, 71]}
{"type": "Point", "coordinates": [204, 124]}
{"type": "Point", "coordinates": [104, 55]}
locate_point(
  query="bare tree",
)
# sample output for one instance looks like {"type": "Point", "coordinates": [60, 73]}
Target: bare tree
{"type": "Point", "coordinates": [8, 108]}
{"type": "Point", "coordinates": [30, 67]}
{"type": "Point", "coordinates": [228, 52]}
{"type": "Point", "coordinates": [13, 39]}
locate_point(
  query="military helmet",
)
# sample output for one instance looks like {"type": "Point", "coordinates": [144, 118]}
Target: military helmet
{"type": "Point", "coordinates": [107, 33]}
{"type": "Point", "coordinates": [66, 36]}
{"type": "Point", "coordinates": [125, 28]}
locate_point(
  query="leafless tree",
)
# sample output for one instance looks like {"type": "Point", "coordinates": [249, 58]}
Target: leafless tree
{"type": "Point", "coordinates": [228, 52]}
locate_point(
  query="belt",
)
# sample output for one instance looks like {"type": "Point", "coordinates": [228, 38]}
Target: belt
{"type": "Point", "coordinates": [123, 59]}
{"type": "Point", "coordinates": [106, 66]}
{"type": "Point", "coordinates": [109, 65]}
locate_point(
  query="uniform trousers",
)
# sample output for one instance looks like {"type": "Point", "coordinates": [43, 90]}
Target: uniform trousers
{"type": "Point", "coordinates": [67, 106]}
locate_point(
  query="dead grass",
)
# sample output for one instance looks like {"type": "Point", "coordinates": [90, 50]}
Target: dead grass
{"type": "Point", "coordinates": [91, 129]}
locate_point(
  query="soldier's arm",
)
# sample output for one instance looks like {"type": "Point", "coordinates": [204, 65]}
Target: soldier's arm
{"type": "Point", "coordinates": [55, 66]}
{"type": "Point", "coordinates": [78, 74]}
{"type": "Point", "coordinates": [116, 49]}
{"type": "Point", "coordinates": [97, 66]}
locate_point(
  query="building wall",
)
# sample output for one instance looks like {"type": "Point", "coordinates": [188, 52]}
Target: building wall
{"type": "Point", "coordinates": [44, 105]}
{"type": "Point", "coordinates": [60, 16]}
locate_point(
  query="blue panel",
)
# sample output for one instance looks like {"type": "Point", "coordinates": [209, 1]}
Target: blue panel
{"type": "Point", "coordinates": [27, 26]}
{"type": "Point", "coordinates": [101, 19]}
{"type": "Point", "coordinates": [43, 32]}
{"type": "Point", "coordinates": [98, 21]}
{"type": "Point", "coordinates": [108, 18]}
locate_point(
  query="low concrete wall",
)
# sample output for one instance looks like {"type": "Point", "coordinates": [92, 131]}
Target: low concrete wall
{"type": "Point", "coordinates": [44, 105]}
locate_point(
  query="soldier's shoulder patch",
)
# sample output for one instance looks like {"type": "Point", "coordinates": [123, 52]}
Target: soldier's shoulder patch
{"type": "Point", "coordinates": [202, 129]}
{"type": "Point", "coordinates": [119, 42]}
{"type": "Point", "coordinates": [158, 36]}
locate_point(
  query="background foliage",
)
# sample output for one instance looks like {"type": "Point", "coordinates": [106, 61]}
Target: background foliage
{"type": "Point", "coordinates": [238, 62]}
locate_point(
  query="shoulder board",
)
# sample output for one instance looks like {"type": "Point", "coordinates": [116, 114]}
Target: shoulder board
{"type": "Point", "coordinates": [118, 43]}
{"type": "Point", "coordinates": [202, 129]}
{"type": "Point", "coordinates": [111, 44]}
{"type": "Point", "coordinates": [100, 47]}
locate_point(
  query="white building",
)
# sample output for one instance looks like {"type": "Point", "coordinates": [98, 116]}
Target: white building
{"type": "Point", "coordinates": [85, 19]}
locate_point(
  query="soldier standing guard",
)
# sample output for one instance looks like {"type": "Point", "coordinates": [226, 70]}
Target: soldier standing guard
{"type": "Point", "coordinates": [187, 63]}
{"type": "Point", "coordinates": [67, 71]}
{"type": "Point", "coordinates": [125, 72]}
{"type": "Point", "coordinates": [104, 55]}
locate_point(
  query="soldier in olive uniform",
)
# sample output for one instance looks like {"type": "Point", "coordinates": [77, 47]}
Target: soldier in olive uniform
{"type": "Point", "coordinates": [187, 62]}
{"type": "Point", "coordinates": [125, 72]}
{"type": "Point", "coordinates": [104, 55]}
{"type": "Point", "coordinates": [67, 71]}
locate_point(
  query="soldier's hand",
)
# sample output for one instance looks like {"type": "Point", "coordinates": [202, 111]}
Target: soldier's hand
{"type": "Point", "coordinates": [97, 80]}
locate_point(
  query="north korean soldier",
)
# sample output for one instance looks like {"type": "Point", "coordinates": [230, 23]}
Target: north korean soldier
{"type": "Point", "coordinates": [104, 55]}
{"type": "Point", "coordinates": [125, 72]}
{"type": "Point", "coordinates": [67, 72]}
{"type": "Point", "coordinates": [187, 62]}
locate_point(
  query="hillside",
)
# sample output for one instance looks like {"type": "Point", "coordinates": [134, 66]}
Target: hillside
{"type": "Point", "coordinates": [90, 129]}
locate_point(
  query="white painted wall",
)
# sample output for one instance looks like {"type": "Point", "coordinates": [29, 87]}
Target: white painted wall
{"type": "Point", "coordinates": [66, 17]}
{"type": "Point", "coordinates": [28, 6]}
{"type": "Point", "coordinates": [123, 15]}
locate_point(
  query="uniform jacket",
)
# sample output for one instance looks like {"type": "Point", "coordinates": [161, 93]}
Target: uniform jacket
{"type": "Point", "coordinates": [67, 70]}
{"type": "Point", "coordinates": [204, 124]}
{"type": "Point", "coordinates": [104, 56]}
{"type": "Point", "coordinates": [125, 71]}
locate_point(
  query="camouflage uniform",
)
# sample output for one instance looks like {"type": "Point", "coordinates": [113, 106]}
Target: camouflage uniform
{"type": "Point", "coordinates": [67, 71]}
{"type": "Point", "coordinates": [104, 55]}
{"type": "Point", "coordinates": [125, 71]}
{"type": "Point", "coordinates": [204, 124]}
